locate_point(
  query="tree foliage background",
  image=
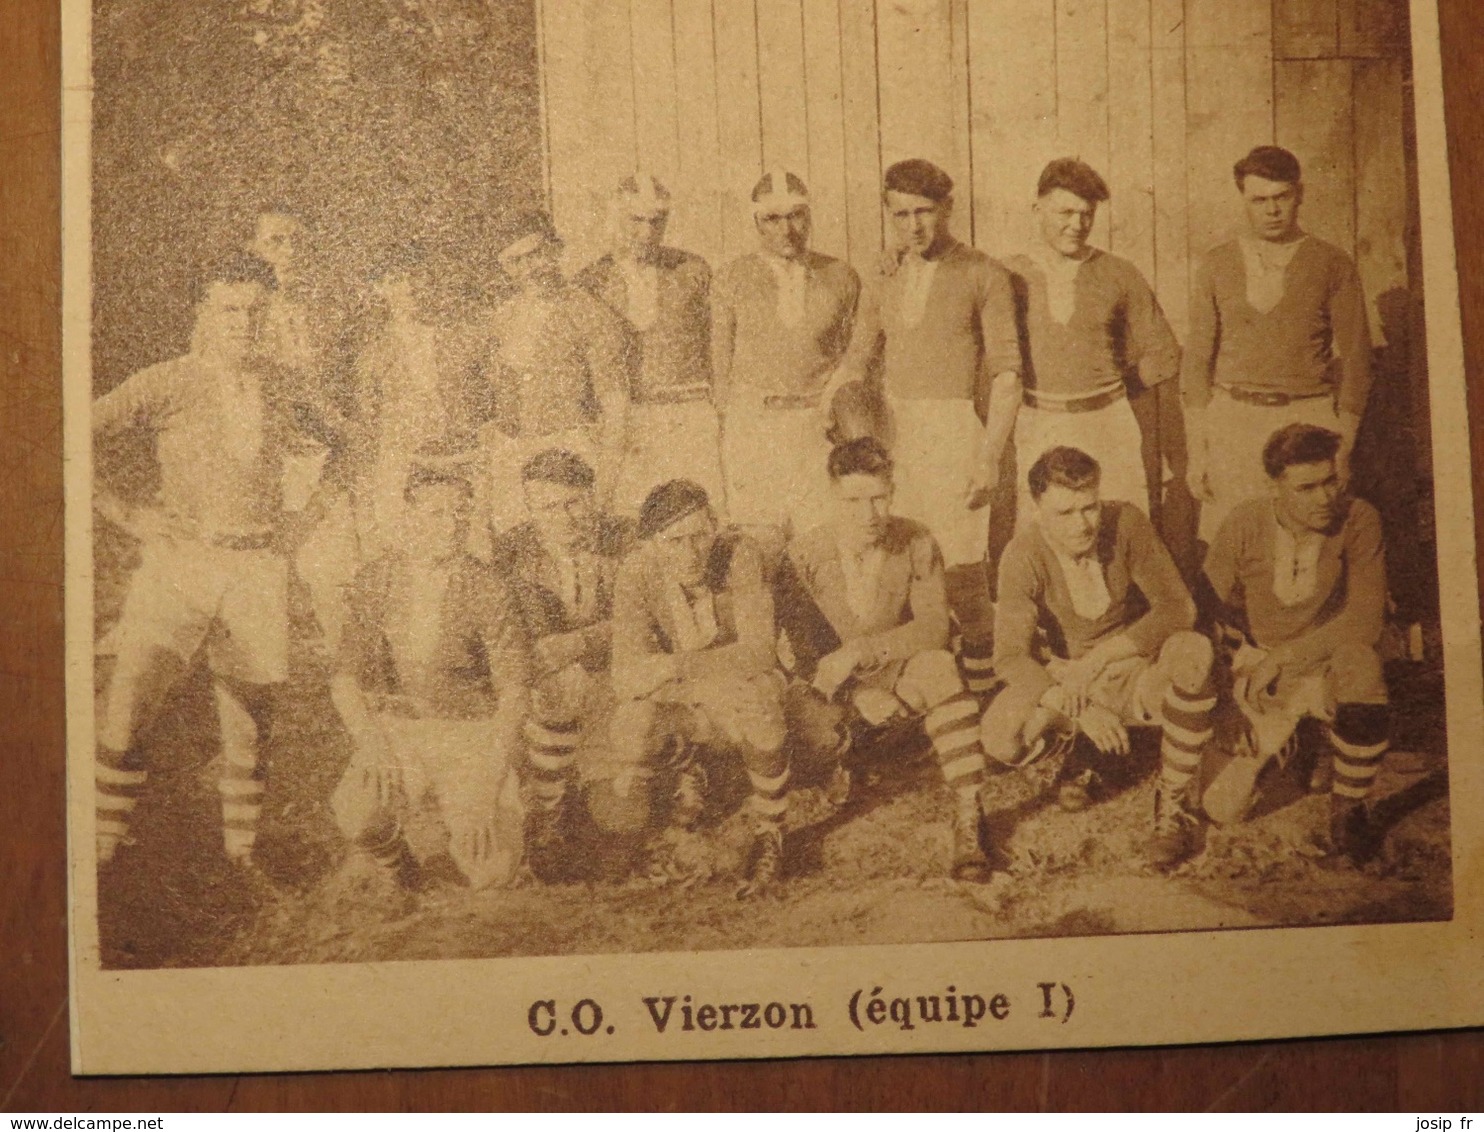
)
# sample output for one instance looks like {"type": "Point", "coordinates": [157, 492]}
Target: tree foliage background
{"type": "Point", "coordinates": [378, 121]}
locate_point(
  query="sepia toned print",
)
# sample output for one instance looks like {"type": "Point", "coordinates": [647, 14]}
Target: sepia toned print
{"type": "Point", "coordinates": [585, 480]}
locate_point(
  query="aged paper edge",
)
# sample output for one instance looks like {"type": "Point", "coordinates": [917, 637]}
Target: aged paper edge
{"type": "Point", "coordinates": [1129, 990]}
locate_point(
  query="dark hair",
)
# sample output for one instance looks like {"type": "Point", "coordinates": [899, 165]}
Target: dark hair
{"type": "Point", "coordinates": [1271, 163]}
{"type": "Point", "coordinates": [421, 477]}
{"type": "Point", "coordinates": [1076, 177]}
{"type": "Point", "coordinates": [557, 465]}
{"type": "Point", "coordinates": [863, 456]}
{"type": "Point", "coordinates": [1298, 444]}
{"type": "Point", "coordinates": [765, 186]}
{"type": "Point", "coordinates": [919, 178]}
{"type": "Point", "coordinates": [1070, 468]}
{"type": "Point", "coordinates": [667, 504]}
{"type": "Point", "coordinates": [234, 268]}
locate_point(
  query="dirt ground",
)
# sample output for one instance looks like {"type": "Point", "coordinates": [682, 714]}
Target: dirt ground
{"type": "Point", "coordinates": [871, 872]}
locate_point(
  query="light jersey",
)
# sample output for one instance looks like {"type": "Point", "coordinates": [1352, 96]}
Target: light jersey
{"type": "Point", "coordinates": [1295, 564]}
{"type": "Point", "coordinates": [1267, 270]}
{"type": "Point", "coordinates": [862, 570]}
{"type": "Point", "coordinates": [1086, 583]}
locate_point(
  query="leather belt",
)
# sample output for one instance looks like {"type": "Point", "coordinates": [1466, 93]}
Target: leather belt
{"type": "Point", "coordinates": [1075, 404]}
{"type": "Point", "coordinates": [1268, 398]}
{"type": "Point", "coordinates": [790, 401]}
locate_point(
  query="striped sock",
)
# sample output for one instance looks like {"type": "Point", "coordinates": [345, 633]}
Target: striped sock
{"type": "Point", "coordinates": [1186, 729]}
{"type": "Point", "coordinates": [386, 845]}
{"type": "Point", "coordinates": [119, 783]}
{"type": "Point", "coordinates": [241, 790]}
{"type": "Point", "coordinates": [953, 727]}
{"type": "Point", "coordinates": [976, 665]}
{"type": "Point", "coordinates": [770, 798]}
{"type": "Point", "coordinates": [551, 749]}
{"type": "Point", "coordinates": [1356, 766]}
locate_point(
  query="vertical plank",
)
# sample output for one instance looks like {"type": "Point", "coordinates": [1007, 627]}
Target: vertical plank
{"type": "Point", "coordinates": [1229, 106]}
{"type": "Point", "coordinates": [780, 39]}
{"type": "Point", "coordinates": [1306, 29]}
{"type": "Point", "coordinates": [656, 136]}
{"type": "Point", "coordinates": [1172, 247]}
{"type": "Point", "coordinates": [563, 55]}
{"type": "Point", "coordinates": [824, 99]}
{"type": "Point", "coordinates": [738, 118]}
{"type": "Point", "coordinates": [862, 130]}
{"type": "Point", "coordinates": [1130, 171]}
{"type": "Point", "coordinates": [1315, 121]}
{"type": "Point", "coordinates": [1082, 125]}
{"type": "Point", "coordinates": [959, 99]}
{"type": "Point", "coordinates": [1374, 28]}
{"type": "Point", "coordinates": [609, 150]}
{"type": "Point", "coordinates": [915, 50]}
{"type": "Point", "coordinates": [1381, 196]}
{"type": "Point", "coordinates": [1013, 115]}
{"type": "Point", "coordinates": [696, 214]}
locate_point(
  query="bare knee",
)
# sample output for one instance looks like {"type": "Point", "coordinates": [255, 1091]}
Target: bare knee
{"type": "Point", "coordinates": [931, 678]}
{"type": "Point", "coordinates": [1002, 728]}
{"type": "Point", "coordinates": [1187, 659]}
{"type": "Point", "coordinates": [1357, 675]}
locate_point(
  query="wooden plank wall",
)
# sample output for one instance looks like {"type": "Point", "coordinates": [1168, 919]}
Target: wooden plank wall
{"type": "Point", "coordinates": [1161, 95]}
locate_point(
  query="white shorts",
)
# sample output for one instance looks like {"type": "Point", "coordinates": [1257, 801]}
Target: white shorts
{"type": "Point", "coordinates": [188, 594]}
{"type": "Point", "coordinates": [1110, 435]}
{"type": "Point", "coordinates": [1238, 430]}
{"type": "Point", "coordinates": [670, 442]}
{"type": "Point", "coordinates": [775, 466]}
{"type": "Point", "coordinates": [934, 446]}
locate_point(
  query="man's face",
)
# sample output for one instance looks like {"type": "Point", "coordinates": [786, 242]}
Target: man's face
{"type": "Point", "coordinates": [1272, 207]}
{"type": "Point", "coordinates": [684, 547]}
{"type": "Point", "coordinates": [641, 229]}
{"type": "Point", "coordinates": [1070, 519]}
{"type": "Point", "coordinates": [784, 231]}
{"type": "Point", "coordinates": [1066, 221]}
{"type": "Point", "coordinates": [919, 223]}
{"type": "Point", "coordinates": [562, 513]}
{"type": "Point", "coordinates": [436, 521]}
{"type": "Point", "coordinates": [276, 241]}
{"type": "Point", "coordinates": [538, 268]}
{"type": "Point", "coordinates": [1308, 495]}
{"type": "Point", "coordinates": [862, 507]}
{"type": "Point", "coordinates": [226, 321]}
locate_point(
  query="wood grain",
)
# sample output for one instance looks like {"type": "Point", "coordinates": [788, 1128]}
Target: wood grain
{"type": "Point", "coordinates": [1426, 1072]}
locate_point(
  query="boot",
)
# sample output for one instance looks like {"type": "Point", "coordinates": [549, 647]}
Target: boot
{"type": "Point", "coordinates": [970, 861]}
{"type": "Point", "coordinates": [546, 840]}
{"type": "Point", "coordinates": [689, 802]}
{"type": "Point", "coordinates": [1349, 828]}
{"type": "Point", "coordinates": [1175, 830]}
{"type": "Point", "coordinates": [767, 864]}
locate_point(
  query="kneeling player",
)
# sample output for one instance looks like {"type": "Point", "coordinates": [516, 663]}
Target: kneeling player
{"type": "Point", "coordinates": [694, 661]}
{"type": "Point", "coordinates": [862, 600]}
{"type": "Point", "coordinates": [560, 566]}
{"type": "Point", "coordinates": [1093, 579]}
{"type": "Point", "coordinates": [1302, 573]}
{"type": "Point", "coordinates": [433, 689]}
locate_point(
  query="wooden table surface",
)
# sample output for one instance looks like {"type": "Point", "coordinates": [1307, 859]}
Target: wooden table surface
{"type": "Point", "coordinates": [1423, 1072]}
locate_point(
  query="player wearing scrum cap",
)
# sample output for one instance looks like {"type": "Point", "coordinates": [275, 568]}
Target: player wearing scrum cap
{"type": "Point", "coordinates": [862, 602]}
{"type": "Point", "coordinates": [694, 661]}
{"type": "Point", "coordinates": [432, 687]}
{"type": "Point", "coordinates": [939, 323]}
{"type": "Point", "coordinates": [560, 566]}
{"type": "Point", "coordinates": [1278, 336]}
{"type": "Point", "coordinates": [782, 322]}
{"type": "Point", "coordinates": [664, 295]}
{"type": "Point", "coordinates": [557, 370]}
{"type": "Point", "coordinates": [1092, 323]}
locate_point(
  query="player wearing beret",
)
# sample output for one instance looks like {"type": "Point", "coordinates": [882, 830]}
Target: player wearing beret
{"type": "Point", "coordinates": [694, 661]}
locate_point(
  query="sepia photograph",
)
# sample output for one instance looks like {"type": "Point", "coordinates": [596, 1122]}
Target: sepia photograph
{"type": "Point", "coordinates": [576, 479]}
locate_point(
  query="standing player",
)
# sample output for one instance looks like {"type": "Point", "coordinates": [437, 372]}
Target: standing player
{"type": "Point", "coordinates": [940, 322]}
{"type": "Point", "coordinates": [782, 323]}
{"type": "Point", "coordinates": [694, 662]}
{"type": "Point", "coordinates": [432, 689]}
{"type": "Point", "coordinates": [863, 604]}
{"type": "Point", "coordinates": [1093, 579]}
{"type": "Point", "coordinates": [561, 566]}
{"type": "Point", "coordinates": [1091, 323]}
{"type": "Point", "coordinates": [557, 371]}
{"type": "Point", "coordinates": [1301, 572]}
{"type": "Point", "coordinates": [664, 294]}
{"type": "Point", "coordinates": [212, 578]}
{"type": "Point", "coordinates": [1278, 336]}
